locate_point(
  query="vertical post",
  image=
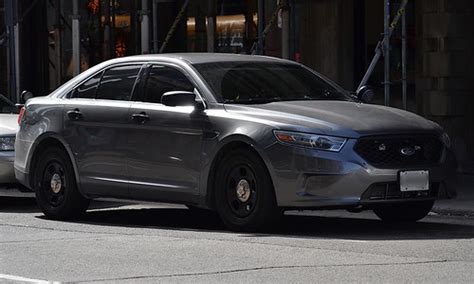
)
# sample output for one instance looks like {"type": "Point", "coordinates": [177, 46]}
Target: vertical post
{"type": "Point", "coordinates": [261, 27]}
{"type": "Point", "coordinates": [285, 30]}
{"type": "Point", "coordinates": [16, 30]}
{"type": "Point", "coordinates": [10, 19]}
{"type": "Point", "coordinates": [113, 41]}
{"type": "Point", "coordinates": [200, 17]}
{"type": "Point", "coordinates": [387, 52]}
{"type": "Point", "coordinates": [145, 42]}
{"type": "Point", "coordinates": [106, 43]}
{"type": "Point", "coordinates": [154, 14]}
{"type": "Point", "coordinates": [76, 48]}
{"type": "Point", "coordinates": [211, 25]}
{"type": "Point", "coordinates": [57, 41]}
{"type": "Point", "coordinates": [404, 60]}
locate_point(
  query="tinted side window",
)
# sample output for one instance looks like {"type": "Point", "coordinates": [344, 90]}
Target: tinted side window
{"type": "Point", "coordinates": [87, 89]}
{"type": "Point", "coordinates": [117, 83]}
{"type": "Point", "coordinates": [162, 79]}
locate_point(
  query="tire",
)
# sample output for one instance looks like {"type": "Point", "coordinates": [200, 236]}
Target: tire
{"type": "Point", "coordinates": [55, 186]}
{"type": "Point", "coordinates": [244, 194]}
{"type": "Point", "coordinates": [408, 212]}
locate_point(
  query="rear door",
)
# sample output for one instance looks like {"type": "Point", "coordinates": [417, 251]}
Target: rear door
{"type": "Point", "coordinates": [165, 142]}
{"type": "Point", "coordinates": [95, 127]}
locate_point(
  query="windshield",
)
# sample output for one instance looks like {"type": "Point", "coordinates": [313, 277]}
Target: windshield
{"type": "Point", "coordinates": [6, 106]}
{"type": "Point", "coordinates": [263, 82]}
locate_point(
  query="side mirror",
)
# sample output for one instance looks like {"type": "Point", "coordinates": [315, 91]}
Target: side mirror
{"type": "Point", "coordinates": [365, 94]}
{"type": "Point", "coordinates": [25, 96]}
{"type": "Point", "coordinates": [181, 98]}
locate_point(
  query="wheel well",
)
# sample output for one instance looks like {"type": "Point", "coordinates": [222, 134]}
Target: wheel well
{"type": "Point", "coordinates": [232, 146]}
{"type": "Point", "coordinates": [42, 146]}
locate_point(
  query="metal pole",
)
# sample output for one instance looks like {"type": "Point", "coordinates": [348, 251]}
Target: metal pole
{"type": "Point", "coordinates": [76, 48]}
{"type": "Point", "coordinates": [106, 46]}
{"type": "Point", "coordinates": [10, 19]}
{"type": "Point", "coordinates": [174, 25]}
{"type": "Point", "coordinates": [16, 30]}
{"type": "Point", "coordinates": [285, 30]}
{"type": "Point", "coordinates": [155, 26]}
{"type": "Point", "coordinates": [404, 61]}
{"type": "Point", "coordinates": [145, 28]}
{"type": "Point", "coordinates": [113, 40]}
{"type": "Point", "coordinates": [387, 52]}
{"type": "Point", "coordinates": [211, 25]}
{"type": "Point", "coordinates": [57, 41]}
{"type": "Point", "coordinates": [261, 27]}
{"type": "Point", "coordinates": [380, 45]}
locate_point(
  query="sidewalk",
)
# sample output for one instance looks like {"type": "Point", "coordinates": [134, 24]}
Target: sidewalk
{"type": "Point", "coordinates": [463, 205]}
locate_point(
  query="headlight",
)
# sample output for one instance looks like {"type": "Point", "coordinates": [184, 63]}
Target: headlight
{"type": "Point", "coordinates": [446, 140]}
{"type": "Point", "coordinates": [7, 143]}
{"type": "Point", "coordinates": [315, 141]}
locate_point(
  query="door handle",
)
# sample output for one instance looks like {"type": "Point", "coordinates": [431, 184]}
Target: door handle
{"type": "Point", "coordinates": [75, 114]}
{"type": "Point", "coordinates": [141, 117]}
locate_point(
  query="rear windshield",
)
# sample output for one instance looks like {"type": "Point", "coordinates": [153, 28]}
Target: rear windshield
{"type": "Point", "coordinates": [262, 82]}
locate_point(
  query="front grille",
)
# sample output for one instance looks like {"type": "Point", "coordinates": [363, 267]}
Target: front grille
{"type": "Point", "coordinates": [400, 151]}
{"type": "Point", "coordinates": [391, 191]}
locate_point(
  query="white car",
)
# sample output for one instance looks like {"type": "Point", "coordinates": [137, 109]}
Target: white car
{"type": "Point", "coordinates": [8, 129]}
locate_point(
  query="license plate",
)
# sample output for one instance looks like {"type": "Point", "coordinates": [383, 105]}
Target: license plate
{"type": "Point", "coordinates": [414, 180]}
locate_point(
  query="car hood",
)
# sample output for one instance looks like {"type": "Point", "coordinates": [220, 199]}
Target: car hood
{"type": "Point", "coordinates": [339, 118]}
{"type": "Point", "coordinates": [8, 124]}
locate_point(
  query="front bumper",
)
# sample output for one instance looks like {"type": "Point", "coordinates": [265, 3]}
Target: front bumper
{"type": "Point", "coordinates": [7, 174]}
{"type": "Point", "coordinates": [307, 178]}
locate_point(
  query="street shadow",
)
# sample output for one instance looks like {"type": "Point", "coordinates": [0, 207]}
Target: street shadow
{"type": "Point", "coordinates": [9, 204]}
{"type": "Point", "coordinates": [296, 226]}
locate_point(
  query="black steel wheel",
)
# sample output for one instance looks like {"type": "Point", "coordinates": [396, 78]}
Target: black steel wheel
{"type": "Point", "coordinates": [55, 186]}
{"type": "Point", "coordinates": [406, 212]}
{"type": "Point", "coordinates": [244, 193]}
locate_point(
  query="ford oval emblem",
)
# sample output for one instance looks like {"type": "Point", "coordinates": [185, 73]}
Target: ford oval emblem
{"type": "Point", "coordinates": [408, 151]}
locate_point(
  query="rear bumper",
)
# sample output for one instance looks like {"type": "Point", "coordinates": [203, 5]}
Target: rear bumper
{"type": "Point", "coordinates": [305, 178]}
{"type": "Point", "coordinates": [7, 175]}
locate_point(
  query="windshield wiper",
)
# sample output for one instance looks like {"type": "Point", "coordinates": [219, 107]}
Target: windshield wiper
{"type": "Point", "coordinates": [253, 100]}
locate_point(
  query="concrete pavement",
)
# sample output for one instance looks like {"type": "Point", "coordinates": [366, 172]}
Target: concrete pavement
{"type": "Point", "coordinates": [120, 242]}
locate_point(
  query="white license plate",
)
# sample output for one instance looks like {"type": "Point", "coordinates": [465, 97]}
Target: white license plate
{"type": "Point", "coordinates": [414, 180]}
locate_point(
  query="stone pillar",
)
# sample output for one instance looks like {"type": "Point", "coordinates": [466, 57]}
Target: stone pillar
{"type": "Point", "coordinates": [445, 83]}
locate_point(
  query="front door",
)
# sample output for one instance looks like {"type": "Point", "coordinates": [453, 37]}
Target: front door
{"type": "Point", "coordinates": [165, 142]}
{"type": "Point", "coordinates": [95, 128]}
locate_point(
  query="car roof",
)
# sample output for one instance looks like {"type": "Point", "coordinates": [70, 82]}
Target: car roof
{"type": "Point", "coordinates": [197, 58]}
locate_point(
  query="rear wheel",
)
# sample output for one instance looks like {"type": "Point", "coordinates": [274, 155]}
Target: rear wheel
{"type": "Point", "coordinates": [55, 186]}
{"type": "Point", "coordinates": [244, 193]}
{"type": "Point", "coordinates": [407, 212]}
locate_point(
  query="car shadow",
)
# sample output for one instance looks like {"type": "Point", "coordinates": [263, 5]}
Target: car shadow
{"type": "Point", "coordinates": [294, 225]}
{"type": "Point", "coordinates": [15, 204]}
{"type": "Point", "coordinates": [297, 226]}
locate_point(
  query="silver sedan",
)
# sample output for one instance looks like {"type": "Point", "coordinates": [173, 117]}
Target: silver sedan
{"type": "Point", "coordinates": [246, 136]}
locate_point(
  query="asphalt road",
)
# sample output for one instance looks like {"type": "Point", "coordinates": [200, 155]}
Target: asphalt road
{"type": "Point", "coordinates": [119, 242]}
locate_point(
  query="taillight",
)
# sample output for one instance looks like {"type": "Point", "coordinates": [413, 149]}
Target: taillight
{"type": "Point", "coordinates": [20, 116]}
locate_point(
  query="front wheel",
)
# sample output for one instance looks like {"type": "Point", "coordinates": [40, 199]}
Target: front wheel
{"type": "Point", "coordinates": [407, 212]}
{"type": "Point", "coordinates": [55, 186]}
{"type": "Point", "coordinates": [244, 193]}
